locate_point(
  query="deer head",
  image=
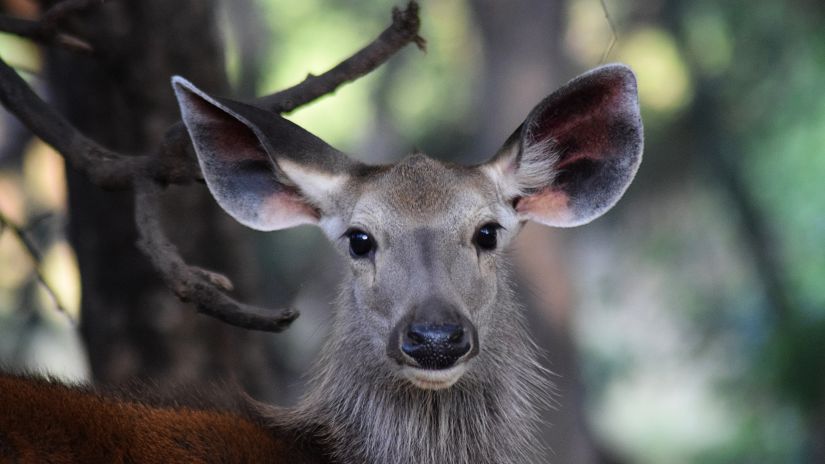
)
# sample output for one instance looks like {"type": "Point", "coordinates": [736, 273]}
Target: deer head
{"type": "Point", "coordinates": [423, 238]}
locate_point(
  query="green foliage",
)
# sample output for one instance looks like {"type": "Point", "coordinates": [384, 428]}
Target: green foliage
{"type": "Point", "coordinates": [762, 65]}
{"type": "Point", "coordinates": [775, 119]}
{"type": "Point", "coordinates": [786, 169]}
{"type": "Point", "coordinates": [795, 363]}
{"type": "Point", "coordinates": [424, 93]}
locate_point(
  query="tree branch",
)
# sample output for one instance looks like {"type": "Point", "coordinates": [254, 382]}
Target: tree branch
{"type": "Point", "coordinates": [40, 32]}
{"type": "Point", "coordinates": [403, 30]}
{"type": "Point", "coordinates": [201, 287]}
{"type": "Point", "coordinates": [174, 162]}
{"type": "Point", "coordinates": [104, 167]}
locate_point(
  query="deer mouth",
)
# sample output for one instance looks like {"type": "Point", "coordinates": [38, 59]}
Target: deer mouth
{"type": "Point", "coordinates": [431, 379]}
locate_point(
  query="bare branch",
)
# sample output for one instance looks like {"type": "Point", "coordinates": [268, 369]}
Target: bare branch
{"type": "Point", "coordinates": [40, 33]}
{"type": "Point", "coordinates": [104, 167]}
{"type": "Point", "coordinates": [34, 254]}
{"type": "Point", "coordinates": [174, 162]}
{"type": "Point", "coordinates": [402, 31]}
{"type": "Point", "coordinates": [614, 36]}
{"type": "Point", "coordinates": [192, 283]}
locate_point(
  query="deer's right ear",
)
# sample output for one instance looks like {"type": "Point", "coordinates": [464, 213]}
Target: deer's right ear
{"type": "Point", "coordinates": [577, 151]}
{"type": "Point", "coordinates": [263, 170]}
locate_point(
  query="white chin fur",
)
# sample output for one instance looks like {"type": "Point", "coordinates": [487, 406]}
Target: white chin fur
{"type": "Point", "coordinates": [427, 379]}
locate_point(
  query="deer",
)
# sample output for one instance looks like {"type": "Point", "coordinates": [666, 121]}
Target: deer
{"type": "Point", "coordinates": [428, 360]}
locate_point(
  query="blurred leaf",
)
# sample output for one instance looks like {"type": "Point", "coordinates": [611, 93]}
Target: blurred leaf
{"type": "Point", "coordinates": [19, 52]}
{"type": "Point", "coordinates": [61, 273]}
{"type": "Point", "coordinates": [795, 363]}
{"type": "Point", "coordinates": [44, 177]}
{"type": "Point", "coordinates": [709, 40]}
{"type": "Point", "coordinates": [664, 81]}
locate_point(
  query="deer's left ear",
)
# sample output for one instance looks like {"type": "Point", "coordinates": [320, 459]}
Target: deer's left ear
{"type": "Point", "coordinates": [577, 151]}
{"type": "Point", "coordinates": [263, 170]}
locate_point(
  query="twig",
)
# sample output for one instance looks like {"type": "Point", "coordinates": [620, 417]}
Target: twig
{"type": "Point", "coordinates": [614, 35]}
{"type": "Point", "coordinates": [202, 288]}
{"type": "Point", "coordinates": [403, 30]}
{"type": "Point", "coordinates": [36, 257]}
{"type": "Point", "coordinates": [38, 32]}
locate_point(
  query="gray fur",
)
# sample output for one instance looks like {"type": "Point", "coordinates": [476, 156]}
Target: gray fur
{"type": "Point", "coordinates": [364, 415]}
{"type": "Point", "coordinates": [360, 406]}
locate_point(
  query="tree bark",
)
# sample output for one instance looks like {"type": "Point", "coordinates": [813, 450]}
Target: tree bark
{"type": "Point", "coordinates": [133, 325]}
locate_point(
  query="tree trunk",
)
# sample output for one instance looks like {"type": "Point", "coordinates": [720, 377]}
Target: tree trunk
{"type": "Point", "coordinates": [133, 326]}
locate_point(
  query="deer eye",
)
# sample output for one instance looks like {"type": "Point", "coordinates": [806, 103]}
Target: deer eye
{"type": "Point", "coordinates": [360, 243]}
{"type": "Point", "coordinates": [485, 237]}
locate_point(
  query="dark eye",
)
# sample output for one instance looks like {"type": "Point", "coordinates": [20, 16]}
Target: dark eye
{"type": "Point", "coordinates": [360, 243]}
{"type": "Point", "coordinates": [486, 236]}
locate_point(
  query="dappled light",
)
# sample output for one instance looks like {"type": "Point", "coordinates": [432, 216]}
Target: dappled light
{"type": "Point", "coordinates": [44, 179]}
{"type": "Point", "coordinates": [16, 269]}
{"type": "Point", "coordinates": [61, 274]}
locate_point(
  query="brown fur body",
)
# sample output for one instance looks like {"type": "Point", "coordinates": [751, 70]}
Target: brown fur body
{"type": "Point", "coordinates": [46, 422]}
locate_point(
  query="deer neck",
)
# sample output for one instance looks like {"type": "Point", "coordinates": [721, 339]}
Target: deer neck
{"type": "Point", "coordinates": [363, 414]}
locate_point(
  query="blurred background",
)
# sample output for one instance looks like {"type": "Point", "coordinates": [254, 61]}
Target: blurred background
{"type": "Point", "coordinates": [685, 326]}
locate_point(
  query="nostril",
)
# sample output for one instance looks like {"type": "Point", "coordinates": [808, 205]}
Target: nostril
{"type": "Point", "coordinates": [415, 336]}
{"type": "Point", "coordinates": [457, 335]}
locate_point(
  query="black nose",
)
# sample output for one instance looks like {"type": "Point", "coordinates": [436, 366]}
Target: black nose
{"type": "Point", "coordinates": [436, 346]}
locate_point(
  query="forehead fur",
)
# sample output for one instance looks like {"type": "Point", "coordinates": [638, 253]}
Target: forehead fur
{"type": "Point", "coordinates": [422, 188]}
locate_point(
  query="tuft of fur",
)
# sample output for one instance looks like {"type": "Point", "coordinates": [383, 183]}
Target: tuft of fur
{"type": "Point", "coordinates": [537, 166]}
{"type": "Point", "coordinates": [521, 171]}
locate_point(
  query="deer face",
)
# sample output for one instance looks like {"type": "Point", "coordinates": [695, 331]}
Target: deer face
{"type": "Point", "coordinates": [424, 239]}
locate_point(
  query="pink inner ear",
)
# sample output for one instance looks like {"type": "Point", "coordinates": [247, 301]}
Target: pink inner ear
{"type": "Point", "coordinates": [229, 143]}
{"type": "Point", "coordinates": [224, 135]}
{"type": "Point", "coordinates": [580, 121]}
{"type": "Point", "coordinates": [548, 200]}
{"type": "Point", "coordinates": [594, 129]}
{"type": "Point", "coordinates": [288, 210]}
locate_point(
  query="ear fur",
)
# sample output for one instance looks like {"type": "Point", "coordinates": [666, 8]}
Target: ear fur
{"type": "Point", "coordinates": [577, 151]}
{"type": "Point", "coordinates": [263, 170]}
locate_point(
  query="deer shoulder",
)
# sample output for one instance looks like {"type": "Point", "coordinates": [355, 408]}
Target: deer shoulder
{"type": "Point", "coordinates": [44, 421]}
